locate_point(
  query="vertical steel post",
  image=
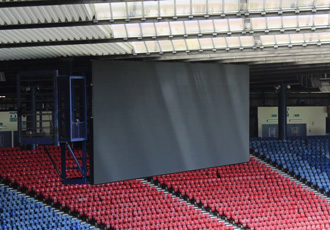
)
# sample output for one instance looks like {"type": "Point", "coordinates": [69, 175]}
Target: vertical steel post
{"type": "Point", "coordinates": [282, 112]}
{"type": "Point", "coordinates": [19, 109]}
{"type": "Point", "coordinates": [63, 161]}
{"type": "Point", "coordinates": [84, 161]}
{"type": "Point", "coordinates": [32, 121]}
{"type": "Point", "coordinates": [55, 110]}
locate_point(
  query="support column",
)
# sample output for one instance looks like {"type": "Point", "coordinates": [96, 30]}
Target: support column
{"type": "Point", "coordinates": [282, 113]}
{"type": "Point", "coordinates": [31, 119]}
{"type": "Point", "coordinates": [63, 160]}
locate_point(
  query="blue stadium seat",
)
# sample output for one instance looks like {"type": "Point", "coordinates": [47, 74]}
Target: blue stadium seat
{"type": "Point", "coordinates": [20, 212]}
{"type": "Point", "coordinates": [306, 158]}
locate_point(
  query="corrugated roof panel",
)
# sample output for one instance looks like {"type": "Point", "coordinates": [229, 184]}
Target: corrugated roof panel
{"type": "Point", "coordinates": [295, 39]}
{"type": "Point", "coordinates": [221, 25]}
{"type": "Point", "coordinates": [150, 9]}
{"type": "Point", "coordinates": [148, 29]}
{"type": "Point", "coordinates": [52, 14]}
{"type": "Point", "coordinates": [247, 41]}
{"type": "Point", "coordinates": [4, 16]}
{"type": "Point", "coordinates": [139, 9]}
{"type": "Point", "coordinates": [63, 51]}
{"type": "Point", "coordinates": [118, 49]}
{"type": "Point", "coordinates": [87, 10]}
{"type": "Point", "coordinates": [3, 38]}
{"type": "Point", "coordinates": [233, 42]}
{"type": "Point", "coordinates": [118, 31]}
{"type": "Point", "coordinates": [192, 27]}
{"type": "Point", "coordinates": [287, 5]}
{"type": "Point", "coordinates": [193, 44]}
{"type": "Point", "coordinates": [166, 46]}
{"type": "Point", "coordinates": [267, 40]}
{"type": "Point", "coordinates": [199, 7]}
{"type": "Point", "coordinates": [139, 47]}
{"type": "Point", "coordinates": [324, 37]}
{"type": "Point", "coordinates": [59, 13]}
{"type": "Point", "coordinates": [180, 45]}
{"type": "Point", "coordinates": [10, 16]}
{"type": "Point", "coordinates": [214, 7]}
{"type": "Point", "coordinates": [206, 26]}
{"type": "Point", "coordinates": [206, 43]}
{"type": "Point", "coordinates": [169, 8]}
{"type": "Point", "coordinates": [31, 14]}
{"type": "Point", "coordinates": [103, 11]}
{"type": "Point", "coordinates": [282, 39]}
{"type": "Point", "coordinates": [313, 38]}
{"type": "Point", "coordinates": [17, 15]}
{"type": "Point", "coordinates": [290, 22]}
{"type": "Point", "coordinates": [231, 6]}
{"type": "Point", "coordinates": [153, 46]}
{"type": "Point", "coordinates": [134, 9]}
{"type": "Point", "coordinates": [126, 47]}
{"type": "Point", "coordinates": [306, 4]}
{"type": "Point", "coordinates": [46, 14]}
{"type": "Point", "coordinates": [258, 24]}
{"type": "Point", "coordinates": [236, 24]}
{"type": "Point", "coordinates": [177, 28]}
{"type": "Point", "coordinates": [320, 20]}
{"type": "Point", "coordinates": [307, 20]}
{"type": "Point", "coordinates": [166, 8]}
{"type": "Point", "coordinates": [2, 21]}
{"type": "Point", "coordinates": [133, 30]}
{"type": "Point", "coordinates": [220, 43]}
{"type": "Point", "coordinates": [183, 7]}
{"type": "Point", "coordinates": [322, 3]}
{"type": "Point", "coordinates": [118, 11]}
{"type": "Point", "coordinates": [41, 13]}
{"type": "Point", "coordinates": [53, 34]}
{"type": "Point", "coordinates": [273, 23]}
{"type": "Point", "coordinates": [163, 28]}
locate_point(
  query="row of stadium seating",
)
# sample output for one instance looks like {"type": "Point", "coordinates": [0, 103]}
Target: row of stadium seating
{"type": "Point", "coordinates": [28, 162]}
{"type": "Point", "coordinates": [308, 159]}
{"type": "Point", "coordinates": [120, 205]}
{"type": "Point", "coordinates": [20, 212]}
{"type": "Point", "coordinates": [251, 195]}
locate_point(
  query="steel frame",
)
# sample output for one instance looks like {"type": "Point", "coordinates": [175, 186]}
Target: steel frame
{"type": "Point", "coordinates": [54, 138]}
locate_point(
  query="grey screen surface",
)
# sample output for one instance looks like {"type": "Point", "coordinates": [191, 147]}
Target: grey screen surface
{"type": "Point", "coordinates": [157, 118]}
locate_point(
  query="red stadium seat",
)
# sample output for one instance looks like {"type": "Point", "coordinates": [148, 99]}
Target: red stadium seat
{"type": "Point", "coordinates": [120, 205]}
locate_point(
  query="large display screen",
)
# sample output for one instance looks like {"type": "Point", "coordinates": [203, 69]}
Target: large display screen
{"type": "Point", "coordinates": [152, 118]}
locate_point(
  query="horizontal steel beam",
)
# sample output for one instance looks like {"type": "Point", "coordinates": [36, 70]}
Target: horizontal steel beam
{"type": "Point", "coordinates": [56, 43]}
{"type": "Point", "coordinates": [135, 39]}
{"type": "Point", "coordinates": [156, 19]}
{"type": "Point", "coordinates": [288, 67]}
{"type": "Point", "coordinates": [272, 80]}
{"type": "Point", "coordinates": [236, 53]}
{"type": "Point", "coordinates": [300, 61]}
{"type": "Point", "coordinates": [292, 72]}
{"type": "Point", "coordinates": [280, 59]}
{"type": "Point", "coordinates": [256, 67]}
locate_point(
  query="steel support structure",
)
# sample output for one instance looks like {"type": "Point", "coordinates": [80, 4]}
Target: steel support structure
{"type": "Point", "coordinates": [52, 111]}
{"type": "Point", "coordinates": [282, 112]}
